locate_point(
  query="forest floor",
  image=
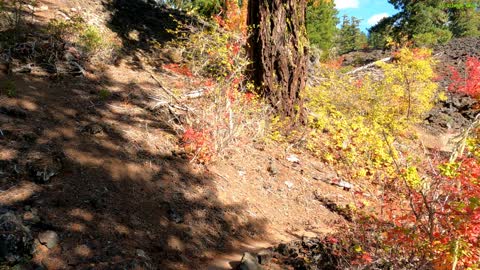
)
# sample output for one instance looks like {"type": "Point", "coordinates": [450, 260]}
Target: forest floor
{"type": "Point", "coordinates": [107, 174]}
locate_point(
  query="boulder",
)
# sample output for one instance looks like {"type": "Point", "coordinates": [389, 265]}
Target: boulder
{"type": "Point", "coordinates": [249, 262]}
{"type": "Point", "coordinates": [49, 239]}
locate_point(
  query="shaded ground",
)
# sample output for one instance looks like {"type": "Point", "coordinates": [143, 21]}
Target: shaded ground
{"type": "Point", "coordinates": [112, 193]}
{"type": "Point", "coordinates": [106, 173]}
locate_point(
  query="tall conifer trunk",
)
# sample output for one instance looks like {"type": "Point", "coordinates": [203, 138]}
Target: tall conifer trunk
{"type": "Point", "coordinates": [278, 48]}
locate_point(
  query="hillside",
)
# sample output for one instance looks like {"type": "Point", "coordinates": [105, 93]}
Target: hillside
{"type": "Point", "coordinates": [103, 164]}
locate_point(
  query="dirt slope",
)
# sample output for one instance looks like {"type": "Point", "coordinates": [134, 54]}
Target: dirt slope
{"type": "Point", "coordinates": [106, 174]}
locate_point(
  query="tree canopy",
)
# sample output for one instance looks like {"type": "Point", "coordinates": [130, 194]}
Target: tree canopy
{"type": "Point", "coordinates": [426, 22]}
{"type": "Point", "coordinates": [322, 23]}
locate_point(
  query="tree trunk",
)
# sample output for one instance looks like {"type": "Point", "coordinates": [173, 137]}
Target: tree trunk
{"type": "Point", "coordinates": [278, 48]}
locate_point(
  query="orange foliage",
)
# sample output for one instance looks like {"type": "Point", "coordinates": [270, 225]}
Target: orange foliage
{"type": "Point", "coordinates": [234, 18]}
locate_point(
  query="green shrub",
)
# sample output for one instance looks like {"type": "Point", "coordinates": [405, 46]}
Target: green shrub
{"type": "Point", "coordinates": [91, 39]}
{"type": "Point", "coordinates": [104, 94]}
{"type": "Point", "coordinates": [76, 30]}
{"type": "Point", "coordinates": [10, 89]}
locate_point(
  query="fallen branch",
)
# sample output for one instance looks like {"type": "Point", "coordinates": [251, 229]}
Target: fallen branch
{"type": "Point", "coordinates": [177, 100]}
{"type": "Point", "coordinates": [168, 92]}
{"type": "Point", "coordinates": [369, 65]}
{"type": "Point", "coordinates": [195, 94]}
{"type": "Point", "coordinates": [80, 68]}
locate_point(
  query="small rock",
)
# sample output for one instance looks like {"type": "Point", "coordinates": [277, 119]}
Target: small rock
{"type": "Point", "coordinates": [49, 239]}
{"type": "Point", "coordinates": [174, 216]}
{"type": "Point", "coordinates": [342, 183]}
{"type": "Point", "coordinates": [15, 238]}
{"type": "Point", "coordinates": [42, 8]}
{"type": "Point", "coordinates": [43, 170]}
{"type": "Point", "coordinates": [93, 129]}
{"type": "Point", "coordinates": [289, 184]}
{"type": "Point", "coordinates": [142, 254]}
{"type": "Point", "coordinates": [249, 262]}
{"type": "Point", "coordinates": [282, 249]}
{"type": "Point", "coordinates": [31, 217]}
{"type": "Point", "coordinates": [264, 256]}
{"type": "Point", "coordinates": [293, 159]}
{"type": "Point", "coordinates": [272, 168]}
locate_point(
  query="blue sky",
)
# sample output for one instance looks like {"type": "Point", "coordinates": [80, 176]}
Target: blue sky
{"type": "Point", "coordinates": [369, 11]}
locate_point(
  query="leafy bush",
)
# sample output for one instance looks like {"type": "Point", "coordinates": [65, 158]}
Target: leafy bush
{"type": "Point", "coordinates": [76, 30]}
{"type": "Point", "coordinates": [91, 39]}
{"type": "Point", "coordinates": [469, 82]}
{"type": "Point", "coordinates": [230, 113]}
{"type": "Point", "coordinates": [354, 120]}
{"type": "Point", "coordinates": [442, 223]}
{"type": "Point", "coordinates": [214, 53]}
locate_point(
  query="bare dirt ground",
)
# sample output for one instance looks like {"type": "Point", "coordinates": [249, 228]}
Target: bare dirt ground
{"type": "Point", "coordinates": [107, 175]}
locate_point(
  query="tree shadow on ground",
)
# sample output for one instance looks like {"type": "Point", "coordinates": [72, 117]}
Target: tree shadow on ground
{"type": "Point", "coordinates": [118, 199]}
{"type": "Point", "coordinates": [144, 26]}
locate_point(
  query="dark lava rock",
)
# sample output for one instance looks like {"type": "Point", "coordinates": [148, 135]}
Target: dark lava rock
{"type": "Point", "coordinates": [43, 169]}
{"type": "Point", "coordinates": [93, 129]}
{"type": "Point", "coordinates": [174, 215]}
{"type": "Point", "coordinates": [15, 238]}
{"type": "Point", "coordinates": [13, 112]}
{"type": "Point", "coordinates": [306, 254]}
{"type": "Point", "coordinates": [265, 256]}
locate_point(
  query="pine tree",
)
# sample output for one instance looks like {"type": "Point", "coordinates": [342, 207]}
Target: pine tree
{"type": "Point", "coordinates": [423, 22]}
{"type": "Point", "coordinates": [322, 23]}
{"type": "Point", "coordinates": [350, 37]}
{"type": "Point", "coordinates": [465, 22]}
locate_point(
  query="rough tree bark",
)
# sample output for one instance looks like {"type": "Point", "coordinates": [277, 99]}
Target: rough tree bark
{"type": "Point", "coordinates": [278, 50]}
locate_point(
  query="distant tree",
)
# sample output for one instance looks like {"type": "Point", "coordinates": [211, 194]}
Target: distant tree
{"type": "Point", "coordinates": [322, 23]}
{"type": "Point", "coordinates": [350, 37]}
{"type": "Point", "coordinates": [465, 22]}
{"type": "Point", "coordinates": [423, 22]}
{"type": "Point", "coordinates": [382, 34]}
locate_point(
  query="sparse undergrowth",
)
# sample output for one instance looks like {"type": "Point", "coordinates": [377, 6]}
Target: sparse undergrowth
{"type": "Point", "coordinates": [228, 114]}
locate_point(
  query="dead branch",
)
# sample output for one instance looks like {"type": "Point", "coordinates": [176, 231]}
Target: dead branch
{"type": "Point", "coordinates": [368, 65]}
{"type": "Point", "coordinates": [176, 99]}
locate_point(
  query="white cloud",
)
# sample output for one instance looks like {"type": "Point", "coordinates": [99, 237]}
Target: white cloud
{"type": "Point", "coordinates": [343, 4]}
{"type": "Point", "coordinates": [376, 18]}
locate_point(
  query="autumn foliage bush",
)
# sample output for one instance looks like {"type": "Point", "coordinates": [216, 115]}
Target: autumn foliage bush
{"type": "Point", "coordinates": [354, 119]}
{"type": "Point", "coordinates": [439, 224]}
{"type": "Point", "coordinates": [469, 82]}
{"type": "Point", "coordinates": [229, 112]}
